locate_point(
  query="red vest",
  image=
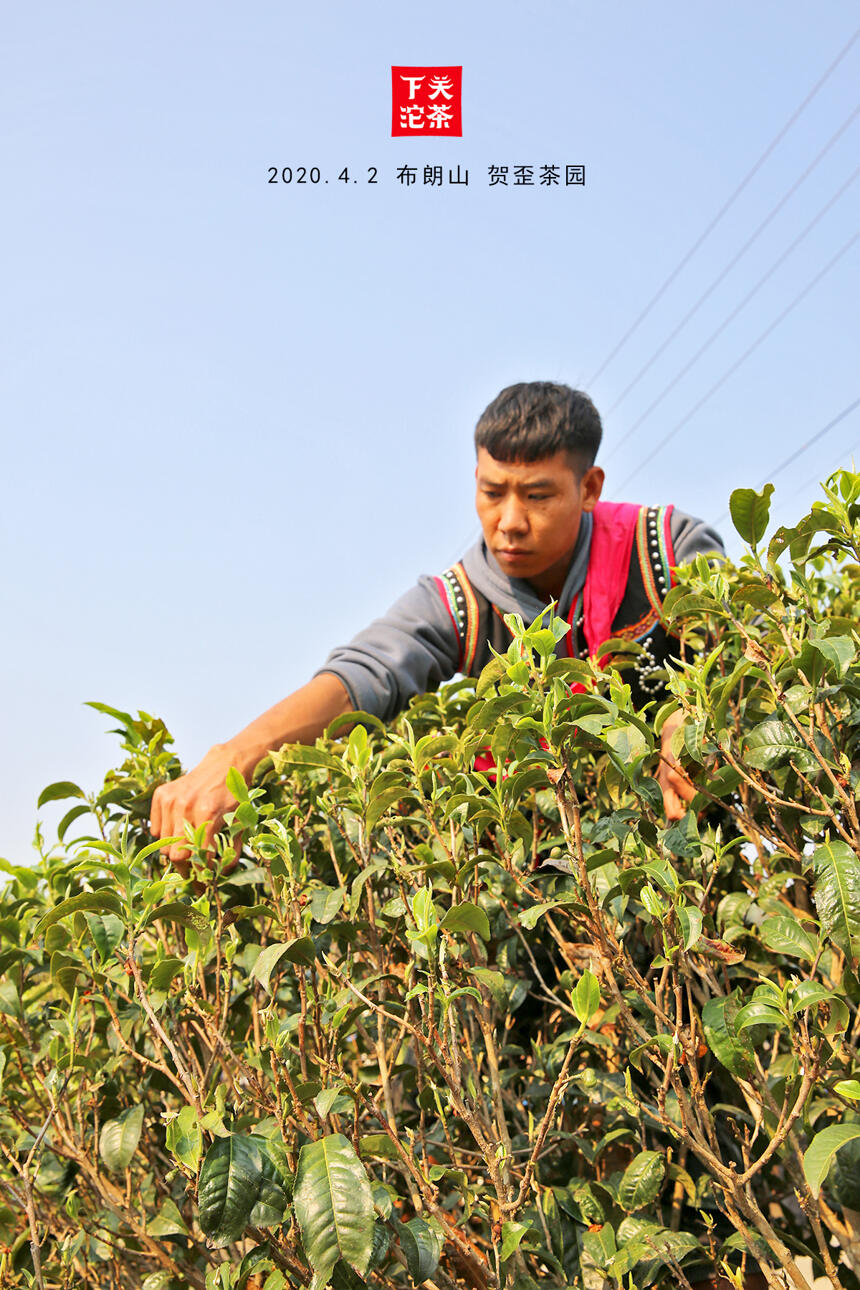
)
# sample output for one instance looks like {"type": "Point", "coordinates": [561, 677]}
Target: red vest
{"type": "Point", "coordinates": [612, 537]}
{"type": "Point", "coordinates": [616, 527]}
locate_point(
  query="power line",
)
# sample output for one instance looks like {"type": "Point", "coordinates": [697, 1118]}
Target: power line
{"type": "Point", "coordinates": [667, 389]}
{"type": "Point", "coordinates": [738, 362]}
{"type": "Point", "coordinates": [772, 474]}
{"type": "Point", "coordinates": [816, 476]}
{"type": "Point", "coordinates": [728, 268]}
{"type": "Point", "coordinates": [725, 207]}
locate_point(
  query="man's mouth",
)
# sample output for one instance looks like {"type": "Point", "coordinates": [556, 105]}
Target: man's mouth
{"type": "Point", "coordinates": [512, 552]}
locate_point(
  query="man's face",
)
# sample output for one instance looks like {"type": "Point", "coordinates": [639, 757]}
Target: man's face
{"type": "Point", "coordinates": [531, 512]}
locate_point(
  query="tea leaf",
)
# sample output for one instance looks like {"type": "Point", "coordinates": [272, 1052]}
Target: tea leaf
{"type": "Point", "coordinates": [750, 512]}
{"type": "Point", "coordinates": [641, 1180]}
{"type": "Point", "coordinates": [733, 1052]}
{"type": "Point", "coordinates": [185, 1139]}
{"type": "Point", "coordinates": [119, 1138]}
{"type": "Point", "coordinates": [837, 896]}
{"type": "Point", "coordinates": [422, 1246]}
{"type": "Point", "coordinates": [333, 1206]}
{"type": "Point", "coordinates": [467, 917]}
{"type": "Point", "coordinates": [57, 792]}
{"type": "Point", "coordinates": [586, 997]}
{"type": "Point", "coordinates": [237, 1178]}
{"type": "Point", "coordinates": [785, 935]}
{"type": "Point", "coordinates": [167, 1222]}
{"type": "Point", "coordinates": [821, 1151]}
{"type": "Point", "coordinates": [102, 901]}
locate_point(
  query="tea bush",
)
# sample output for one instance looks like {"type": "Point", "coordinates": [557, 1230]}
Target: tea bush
{"type": "Point", "coordinates": [465, 1028]}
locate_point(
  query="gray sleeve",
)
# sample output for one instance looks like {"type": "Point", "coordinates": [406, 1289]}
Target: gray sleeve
{"type": "Point", "coordinates": [412, 648]}
{"type": "Point", "coordinates": [692, 537]}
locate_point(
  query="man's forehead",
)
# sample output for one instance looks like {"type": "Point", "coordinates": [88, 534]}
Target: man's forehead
{"type": "Point", "coordinates": [546, 470]}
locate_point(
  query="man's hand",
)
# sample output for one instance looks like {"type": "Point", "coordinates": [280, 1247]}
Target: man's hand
{"type": "Point", "coordinates": [202, 796]}
{"type": "Point", "coordinates": [678, 788]}
{"type": "Point", "coordinates": [198, 797]}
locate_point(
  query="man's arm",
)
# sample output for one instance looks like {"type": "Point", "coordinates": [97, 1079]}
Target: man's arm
{"type": "Point", "coordinates": [412, 648]}
{"type": "Point", "coordinates": [678, 789]}
{"type": "Point", "coordinates": [202, 795]}
{"type": "Point", "coordinates": [692, 537]}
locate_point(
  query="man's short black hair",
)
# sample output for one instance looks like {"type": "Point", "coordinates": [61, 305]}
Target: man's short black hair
{"type": "Point", "coordinates": [536, 419]}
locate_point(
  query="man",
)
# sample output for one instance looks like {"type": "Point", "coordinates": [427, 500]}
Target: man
{"type": "Point", "coordinates": [546, 536]}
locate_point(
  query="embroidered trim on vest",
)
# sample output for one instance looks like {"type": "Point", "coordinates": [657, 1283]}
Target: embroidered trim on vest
{"type": "Point", "coordinates": [640, 628]}
{"type": "Point", "coordinates": [652, 543]}
{"type": "Point", "coordinates": [459, 598]}
{"type": "Point", "coordinates": [667, 553]}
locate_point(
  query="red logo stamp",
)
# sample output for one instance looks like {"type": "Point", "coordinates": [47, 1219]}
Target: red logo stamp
{"type": "Point", "coordinates": [426, 100]}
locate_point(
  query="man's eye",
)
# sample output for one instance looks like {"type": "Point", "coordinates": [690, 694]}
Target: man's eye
{"type": "Point", "coordinates": [538, 497]}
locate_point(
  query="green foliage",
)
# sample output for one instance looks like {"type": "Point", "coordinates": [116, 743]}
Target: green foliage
{"type": "Point", "coordinates": [483, 1028]}
{"type": "Point", "coordinates": [586, 997]}
{"type": "Point", "coordinates": [641, 1181]}
{"type": "Point", "coordinates": [245, 1181]}
{"type": "Point", "coordinates": [422, 1245]}
{"type": "Point", "coordinates": [334, 1207]}
{"type": "Point", "coordinates": [750, 511]}
{"type": "Point", "coordinates": [119, 1138]}
{"type": "Point", "coordinates": [822, 1151]}
{"type": "Point", "coordinates": [837, 896]}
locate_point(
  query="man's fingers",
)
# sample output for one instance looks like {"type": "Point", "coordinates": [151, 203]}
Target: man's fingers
{"type": "Point", "coordinates": [672, 772]}
{"type": "Point", "coordinates": [678, 789]}
{"type": "Point", "coordinates": [170, 826]}
{"type": "Point", "coordinates": [164, 822]}
{"type": "Point", "coordinates": [678, 779]}
{"type": "Point", "coordinates": [155, 812]}
{"type": "Point", "coordinates": [197, 801]}
{"type": "Point", "coordinates": [686, 789]}
{"type": "Point", "coordinates": [674, 807]}
{"type": "Point", "coordinates": [167, 820]}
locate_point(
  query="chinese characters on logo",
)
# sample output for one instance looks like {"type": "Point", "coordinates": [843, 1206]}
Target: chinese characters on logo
{"type": "Point", "coordinates": [426, 100]}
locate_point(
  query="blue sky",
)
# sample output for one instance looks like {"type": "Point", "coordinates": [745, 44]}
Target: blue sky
{"type": "Point", "coordinates": [238, 415]}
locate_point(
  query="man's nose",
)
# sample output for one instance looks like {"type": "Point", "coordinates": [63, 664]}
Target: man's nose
{"type": "Point", "coordinates": [513, 518]}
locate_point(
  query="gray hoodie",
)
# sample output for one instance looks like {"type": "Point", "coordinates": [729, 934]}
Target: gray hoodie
{"type": "Point", "coordinates": [415, 647]}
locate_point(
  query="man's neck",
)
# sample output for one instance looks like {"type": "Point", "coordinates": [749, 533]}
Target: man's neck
{"type": "Point", "coordinates": [550, 583]}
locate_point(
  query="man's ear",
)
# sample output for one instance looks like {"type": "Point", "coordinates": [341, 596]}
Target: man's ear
{"type": "Point", "coordinates": [592, 486]}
